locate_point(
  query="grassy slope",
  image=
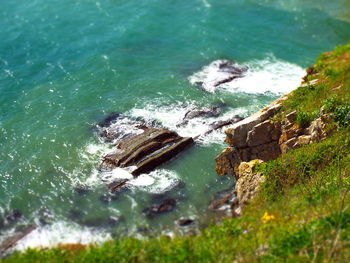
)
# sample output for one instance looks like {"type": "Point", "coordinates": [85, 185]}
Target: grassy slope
{"type": "Point", "coordinates": [306, 198]}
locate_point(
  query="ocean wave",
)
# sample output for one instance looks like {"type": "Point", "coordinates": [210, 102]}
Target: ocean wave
{"type": "Point", "coordinates": [172, 116]}
{"type": "Point", "coordinates": [62, 233]}
{"type": "Point", "coordinates": [270, 75]}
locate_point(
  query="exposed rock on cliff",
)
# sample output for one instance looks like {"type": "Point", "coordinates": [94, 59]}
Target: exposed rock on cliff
{"type": "Point", "coordinates": [263, 137]}
{"type": "Point", "coordinates": [248, 181]}
{"type": "Point", "coordinates": [255, 137]}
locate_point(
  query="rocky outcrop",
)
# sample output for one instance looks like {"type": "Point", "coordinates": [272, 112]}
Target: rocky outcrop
{"type": "Point", "coordinates": [248, 181]}
{"type": "Point", "coordinates": [261, 137]}
{"type": "Point", "coordinates": [293, 136]}
{"type": "Point", "coordinates": [255, 137]}
{"type": "Point", "coordinates": [146, 151]}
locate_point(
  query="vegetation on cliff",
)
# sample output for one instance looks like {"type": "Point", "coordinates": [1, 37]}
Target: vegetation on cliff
{"type": "Point", "coordinates": [300, 215]}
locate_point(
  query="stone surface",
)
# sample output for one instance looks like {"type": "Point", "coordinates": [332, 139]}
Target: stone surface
{"type": "Point", "coordinates": [226, 161]}
{"type": "Point", "coordinates": [237, 135]}
{"type": "Point", "coordinates": [147, 150]}
{"type": "Point", "coordinates": [264, 133]}
{"type": "Point", "coordinates": [249, 181]}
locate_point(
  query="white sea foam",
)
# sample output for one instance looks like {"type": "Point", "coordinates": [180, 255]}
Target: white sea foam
{"type": "Point", "coordinates": [157, 181]}
{"type": "Point", "coordinates": [264, 76]}
{"type": "Point", "coordinates": [172, 117]}
{"type": "Point", "coordinates": [62, 233]}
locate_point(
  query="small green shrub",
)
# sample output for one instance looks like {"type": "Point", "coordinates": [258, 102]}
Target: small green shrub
{"type": "Point", "coordinates": [330, 104]}
{"type": "Point", "coordinates": [342, 115]}
{"type": "Point", "coordinates": [305, 118]}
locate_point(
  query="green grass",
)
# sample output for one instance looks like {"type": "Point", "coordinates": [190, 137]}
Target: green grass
{"type": "Point", "coordinates": [306, 190]}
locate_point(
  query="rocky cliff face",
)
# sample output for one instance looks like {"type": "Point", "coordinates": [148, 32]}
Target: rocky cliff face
{"type": "Point", "coordinates": [261, 137]}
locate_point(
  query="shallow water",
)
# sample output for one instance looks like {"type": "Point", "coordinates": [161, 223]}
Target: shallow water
{"type": "Point", "coordinates": [65, 65]}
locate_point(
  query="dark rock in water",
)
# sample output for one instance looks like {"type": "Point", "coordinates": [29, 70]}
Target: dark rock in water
{"type": "Point", "coordinates": [13, 217]}
{"type": "Point", "coordinates": [113, 220]}
{"type": "Point", "coordinates": [118, 186]}
{"type": "Point", "coordinates": [206, 112]}
{"type": "Point", "coordinates": [109, 197]}
{"type": "Point", "coordinates": [82, 189]}
{"type": "Point", "coordinates": [75, 214]}
{"type": "Point", "coordinates": [112, 117]}
{"type": "Point", "coordinates": [224, 200]}
{"type": "Point", "coordinates": [147, 150]}
{"type": "Point", "coordinates": [219, 124]}
{"type": "Point", "coordinates": [209, 112]}
{"type": "Point", "coordinates": [217, 73]}
{"type": "Point", "coordinates": [185, 222]}
{"type": "Point", "coordinates": [45, 216]}
{"type": "Point", "coordinates": [120, 127]}
{"type": "Point", "coordinates": [12, 241]}
{"type": "Point", "coordinates": [166, 206]}
{"type": "Point", "coordinates": [160, 196]}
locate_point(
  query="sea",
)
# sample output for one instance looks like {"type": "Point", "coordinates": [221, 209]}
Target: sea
{"type": "Point", "coordinates": [65, 65]}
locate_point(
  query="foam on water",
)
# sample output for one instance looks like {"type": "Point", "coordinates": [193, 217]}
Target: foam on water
{"type": "Point", "coordinates": [62, 233]}
{"type": "Point", "coordinates": [172, 116]}
{"type": "Point", "coordinates": [269, 75]}
{"type": "Point", "coordinates": [156, 182]}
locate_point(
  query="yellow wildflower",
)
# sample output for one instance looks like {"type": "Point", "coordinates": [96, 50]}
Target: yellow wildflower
{"type": "Point", "coordinates": [267, 218]}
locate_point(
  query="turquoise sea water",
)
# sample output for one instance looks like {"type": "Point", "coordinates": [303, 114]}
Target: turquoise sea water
{"type": "Point", "coordinates": [64, 65]}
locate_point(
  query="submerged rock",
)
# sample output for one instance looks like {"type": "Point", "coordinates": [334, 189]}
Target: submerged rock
{"type": "Point", "coordinates": [166, 205]}
{"type": "Point", "coordinates": [117, 126]}
{"type": "Point", "coordinates": [147, 150]}
{"type": "Point", "coordinates": [82, 189]}
{"type": "Point", "coordinates": [12, 240]}
{"type": "Point", "coordinates": [217, 73]}
{"type": "Point", "coordinates": [107, 121]}
{"type": "Point", "coordinates": [209, 112]}
{"type": "Point", "coordinates": [185, 222]}
{"type": "Point", "coordinates": [118, 186]}
{"type": "Point", "coordinates": [224, 201]}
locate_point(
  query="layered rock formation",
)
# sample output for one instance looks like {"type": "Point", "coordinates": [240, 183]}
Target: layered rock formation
{"type": "Point", "coordinates": [145, 151]}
